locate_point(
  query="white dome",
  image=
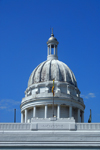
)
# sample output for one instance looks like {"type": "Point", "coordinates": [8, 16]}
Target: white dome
{"type": "Point", "coordinates": [39, 101]}
{"type": "Point", "coordinates": [52, 69]}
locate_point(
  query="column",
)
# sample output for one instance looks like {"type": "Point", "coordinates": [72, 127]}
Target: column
{"type": "Point", "coordinates": [46, 108]}
{"type": "Point", "coordinates": [82, 116]}
{"type": "Point", "coordinates": [50, 49]}
{"type": "Point", "coordinates": [25, 115]}
{"type": "Point", "coordinates": [34, 112]}
{"type": "Point", "coordinates": [58, 111]}
{"type": "Point", "coordinates": [78, 115]}
{"type": "Point", "coordinates": [54, 50]}
{"type": "Point", "coordinates": [70, 111]}
{"type": "Point", "coordinates": [21, 117]}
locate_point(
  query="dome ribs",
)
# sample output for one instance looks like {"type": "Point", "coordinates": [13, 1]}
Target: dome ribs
{"type": "Point", "coordinates": [75, 82]}
{"type": "Point", "coordinates": [66, 68]}
{"type": "Point", "coordinates": [34, 81]}
{"type": "Point", "coordinates": [40, 78]}
{"type": "Point", "coordinates": [38, 73]}
{"type": "Point", "coordinates": [70, 72]}
{"type": "Point", "coordinates": [62, 71]}
{"type": "Point", "coordinates": [31, 78]}
{"type": "Point", "coordinates": [45, 72]}
{"type": "Point", "coordinates": [72, 78]}
{"type": "Point", "coordinates": [60, 79]}
{"type": "Point", "coordinates": [52, 69]}
{"type": "Point", "coordinates": [57, 71]}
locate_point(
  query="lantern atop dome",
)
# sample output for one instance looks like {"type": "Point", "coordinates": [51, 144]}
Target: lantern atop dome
{"type": "Point", "coordinates": [52, 47]}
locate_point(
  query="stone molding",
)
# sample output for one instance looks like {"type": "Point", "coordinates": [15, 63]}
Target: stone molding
{"type": "Point", "coordinates": [57, 101]}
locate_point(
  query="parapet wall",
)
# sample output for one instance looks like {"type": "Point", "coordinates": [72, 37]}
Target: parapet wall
{"type": "Point", "coordinates": [50, 124]}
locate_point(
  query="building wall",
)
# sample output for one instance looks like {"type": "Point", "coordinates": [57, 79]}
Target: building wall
{"type": "Point", "coordinates": [30, 114]}
{"type": "Point", "coordinates": [75, 114]}
{"type": "Point", "coordinates": [40, 111]}
{"type": "Point", "coordinates": [64, 112]}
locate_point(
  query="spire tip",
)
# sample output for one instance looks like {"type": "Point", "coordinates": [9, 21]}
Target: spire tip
{"type": "Point", "coordinates": [52, 33]}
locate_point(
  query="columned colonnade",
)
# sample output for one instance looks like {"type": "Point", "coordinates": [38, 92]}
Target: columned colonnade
{"type": "Point", "coordinates": [58, 113]}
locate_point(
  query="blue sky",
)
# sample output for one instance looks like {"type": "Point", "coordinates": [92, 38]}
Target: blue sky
{"type": "Point", "coordinates": [24, 31]}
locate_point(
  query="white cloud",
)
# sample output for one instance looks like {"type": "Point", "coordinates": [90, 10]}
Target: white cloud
{"type": "Point", "coordinates": [92, 95]}
{"type": "Point", "coordinates": [3, 107]}
{"type": "Point", "coordinates": [8, 104]}
{"type": "Point", "coordinates": [89, 95]}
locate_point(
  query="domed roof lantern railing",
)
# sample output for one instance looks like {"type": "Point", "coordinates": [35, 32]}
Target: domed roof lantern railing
{"type": "Point", "coordinates": [52, 47]}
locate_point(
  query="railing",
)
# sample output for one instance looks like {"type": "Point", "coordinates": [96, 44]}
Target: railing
{"type": "Point", "coordinates": [87, 126]}
{"type": "Point", "coordinates": [14, 126]}
{"type": "Point", "coordinates": [26, 126]}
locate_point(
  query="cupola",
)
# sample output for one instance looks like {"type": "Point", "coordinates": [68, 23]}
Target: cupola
{"type": "Point", "coordinates": [52, 44]}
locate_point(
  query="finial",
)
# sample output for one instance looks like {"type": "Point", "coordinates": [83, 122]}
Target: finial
{"type": "Point", "coordinates": [52, 33]}
{"type": "Point", "coordinates": [52, 30]}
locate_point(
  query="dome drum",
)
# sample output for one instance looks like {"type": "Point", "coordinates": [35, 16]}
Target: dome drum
{"type": "Point", "coordinates": [45, 87]}
{"type": "Point", "coordinates": [64, 112]}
